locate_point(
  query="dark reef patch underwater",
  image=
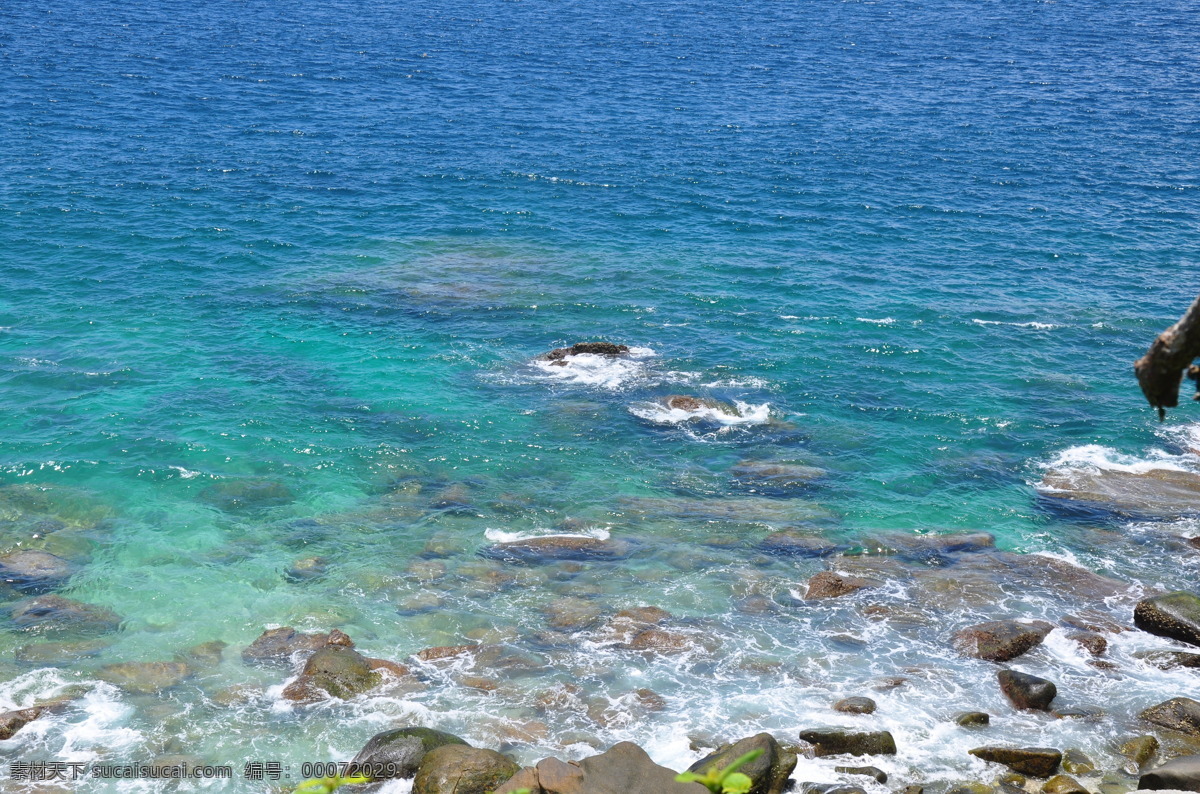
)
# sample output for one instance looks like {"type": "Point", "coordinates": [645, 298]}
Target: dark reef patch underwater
{"type": "Point", "coordinates": [285, 463]}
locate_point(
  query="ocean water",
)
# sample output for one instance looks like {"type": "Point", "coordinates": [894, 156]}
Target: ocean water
{"type": "Point", "coordinates": [274, 279]}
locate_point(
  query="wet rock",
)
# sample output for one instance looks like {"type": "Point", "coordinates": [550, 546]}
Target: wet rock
{"type": "Point", "coordinates": [792, 543]}
{"type": "Point", "coordinates": [13, 721]}
{"type": "Point", "coordinates": [1063, 784]}
{"type": "Point", "coordinates": [307, 569]}
{"type": "Point", "coordinates": [206, 654]}
{"type": "Point", "coordinates": [1174, 615]}
{"type": "Point", "coordinates": [246, 496]}
{"type": "Point", "coordinates": [641, 617]}
{"type": "Point", "coordinates": [404, 748]}
{"type": "Point", "coordinates": [460, 769]}
{"type": "Point", "coordinates": [970, 788]}
{"type": "Point", "coordinates": [869, 771]}
{"type": "Point", "coordinates": [828, 584]}
{"type": "Point", "coordinates": [552, 548]}
{"type": "Point", "coordinates": [836, 741]}
{"type": "Point", "coordinates": [1026, 691]}
{"type": "Point", "coordinates": [1085, 713]}
{"type": "Point", "coordinates": [912, 790]}
{"type": "Point", "coordinates": [1034, 761]}
{"type": "Point", "coordinates": [571, 614]}
{"type": "Point", "coordinates": [145, 678]}
{"type": "Point", "coordinates": [660, 641]}
{"type": "Point", "coordinates": [855, 705]}
{"type": "Point", "coordinates": [453, 497]}
{"type": "Point", "coordinates": [1163, 493]}
{"type": "Point", "coordinates": [1179, 774]}
{"type": "Point", "coordinates": [53, 612]}
{"type": "Point", "coordinates": [1000, 640]}
{"type": "Point", "coordinates": [333, 670]}
{"type": "Point", "coordinates": [1140, 749]}
{"type": "Point", "coordinates": [445, 652]}
{"type": "Point", "coordinates": [1077, 762]}
{"type": "Point", "coordinates": [1177, 714]}
{"type": "Point", "coordinates": [59, 653]}
{"type": "Point", "coordinates": [624, 769]}
{"type": "Point", "coordinates": [1169, 660]}
{"type": "Point", "coordinates": [750, 510]}
{"type": "Point", "coordinates": [769, 772]}
{"type": "Point", "coordinates": [1092, 643]}
{"type": "Point", "coordinates": [973, 719]}
{"type": "Point", "coordinates": [1116, 783]}
{"type": "Point", "coordinates": [930, 548]}
{"type": "Point", "coordinates": [277, 647]}
{"type": "Point", "coordinates": [607, 349]}
{"type": "Point", "coordinates": [1094, 621]}
{"type": "Point", "coordinates": [34, 571]}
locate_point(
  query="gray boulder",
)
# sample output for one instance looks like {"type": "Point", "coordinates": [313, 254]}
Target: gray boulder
{"type": "Point", "coordinates": [837, 741]}
{"type": "Point", "coordinates": [460, 769]}
{"type": "Point", "coordinates": [1177, 714]}
{"type": "Point", "coordinates": [1027, 691]}
{"type": "Point", "coordinates": [1180, 774]}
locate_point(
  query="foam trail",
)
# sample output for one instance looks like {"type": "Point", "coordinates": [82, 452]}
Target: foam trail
{"type": "Point", "coordinates": [746, 414]}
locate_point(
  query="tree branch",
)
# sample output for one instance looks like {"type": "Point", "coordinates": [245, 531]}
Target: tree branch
{"type": "Point", "coordinates": [1160, 371]}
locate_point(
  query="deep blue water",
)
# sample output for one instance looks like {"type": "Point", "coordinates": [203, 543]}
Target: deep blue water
{"type": "Point", "coordinates": [318, 245]}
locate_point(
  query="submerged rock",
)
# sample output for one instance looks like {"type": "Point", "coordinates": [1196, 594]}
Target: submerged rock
{"type": "Point", "coordinates": [1174, 615]}
{"type": "Point", "coordinates": [53, 612]}
{"type": "Point", "coordinates": [1026, 691]}
{"type": "Point", "coordinates": [930, 548]}
{"type": "Point", "coordinates": [1035, 761]}
{"type": "Point", "coordinates": [1092, 643]}
{"type": "Point", "coordinates": [1164, 493]}
{"type": "Point", "coordinates": [34, 571]}
{"type": "Point", "coordinates": [145, 678]}
{"type": "Point", "coordinates": [1169, 660]}
{"type": "Point", "coordinates": [336, 671]}
{"type": "Point", "coordinates": [1077, 762]}
{"type": "Point", "coordinates": [307, 569]}
{"type": "Point", "coordinates": [1140, 749]}
{"type": "Point", "coordinates": [775, 476]}
{"type": "Point", "coordinates": [836, 741]}
{"type": "Point", "coordinates": [1177, 714]}
{"type": "Point", "coordinates": [1179, 774]}
{"type": "Point", "coordinates": [869, 771]}
{"type": "Point", "coordinates": [792, 543]}
{"type": "Point", "coordinates": [624, 769]}
{"type": "Point", "coordinates": [276, 647]}
{"type": "Point", "coordinates": [557, 547]}
{"type": "Point", "coordinates": [56, 653]}
{"type": "Point", "coordinates": [662, 642]}
{"type": "Point", "coordinates": [607, 349]}
{"type": "Point", "coordinates": [1000, 640]}
{"type": "Point", "coordinates": [404, 748]}
{"type": "Point", "coordinates": [461, 769]}
{"type": "Point", "coordinates": [246, 496]}
{"type": "Point", "coordinates": [828, 584]}
{"type": "Point", "coordinates": [13, 721]}
{"type": "Point", "coordinates": [768, 773]}
{"type": "Point", "coordinates": [1063, 784]}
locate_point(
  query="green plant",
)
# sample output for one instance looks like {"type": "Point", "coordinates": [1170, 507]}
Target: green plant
{"type": "Point", "coordinates": [328, 785]}
{"type": "Point", "coordinates": [723, 781]}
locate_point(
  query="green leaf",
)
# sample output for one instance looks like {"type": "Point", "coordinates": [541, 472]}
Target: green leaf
{"type": "Point", "coordinates": [737, 783]}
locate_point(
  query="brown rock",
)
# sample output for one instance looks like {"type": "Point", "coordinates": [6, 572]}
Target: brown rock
{"type": "Point", "coordinates": [1177, 714]}
{"type": "Point", "coordinates": [1000, 640]}
{"type": "Point", "coordinates": [624, 769]}
{"type": "Point", "coordinates": [828, 584]}
{"type": "Point", "coordinates": [1027, 691]}
{"type": "Point", "coordinates": [335, 671]}
{"type": "Point", "coordinates": [659, 641]}
{"type": "Point", "coordinates": [1092, 643]}
{"type": "Point", "coordinates": [1035, 761]}
{"type": "Point", "coordinates": [769, 772]}
{"type": "Point", "coordinates": [145, 677]}
{"type": "Point", "coordinates": [1063, 784]}
{"type": "Point", "coordinates": [459, 769]}
{"type": "Point", "coordinates": [1174, 615]}
{"type": "Point", "coordinates": [855, 705]}
{"type": "Point", "coordinates": [276, 647]}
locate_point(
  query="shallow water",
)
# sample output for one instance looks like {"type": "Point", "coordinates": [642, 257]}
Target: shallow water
{"type": "Point", "coordinates": [316, 249]}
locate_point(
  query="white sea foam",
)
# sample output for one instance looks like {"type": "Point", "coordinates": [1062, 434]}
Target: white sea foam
{"type": "Point", "coordinates": [1036, 325]}
{"type": "Point", "coordinates": [510, 536]}
{"type": "Point", "coordinates": [606, 372]}
{"type": "Point", "coordinates": [744, 414]}
{"type": "Point", "coordinates": [1097, 457]}
{"type": "Point", "coordinates": [882, 321]}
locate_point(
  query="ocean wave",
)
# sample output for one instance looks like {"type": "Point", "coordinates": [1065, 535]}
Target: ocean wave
{"type": "Point", "coordinates": [1036, 325]}
{"type": "Point", "coordinates": [882, 321]}
{"type": "Point", "coordinates": [714, 413]}
{"type": "Point", "coordinates": [1095, 457]}
{"type": "Point", "coordinates": [511, 536]}
{"type": "Point", "coordinates": [605, 372]}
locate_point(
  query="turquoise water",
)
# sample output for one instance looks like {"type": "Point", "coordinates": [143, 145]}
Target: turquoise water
{"type": "Point", "coordinates": [316, 249]}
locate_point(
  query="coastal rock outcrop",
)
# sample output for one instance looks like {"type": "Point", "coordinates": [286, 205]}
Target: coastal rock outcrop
{"type": "Point", "coordinates": [334, 670]}
{"type": "Point", "coordinates": [1000, 640]}
{"type": "Point", "coordinates": [404, 748]}
{"type": "Point", "coordinates": [1035, 761]}
{"type": "Point", "coordinates": [1026, 691]}
{"type": "Point", "coordinates": [769, 772]}
{"type": "Point", "coordinates": [554, 548]}
{"type": "Point", "coordinates": [606, 349]}
{"type": "Point", "coordinates": [1162, 493]}
{"type": "Point", "coordinates": [462, 769]}
{"type": "Point", "coordinates": [1174, 615]}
